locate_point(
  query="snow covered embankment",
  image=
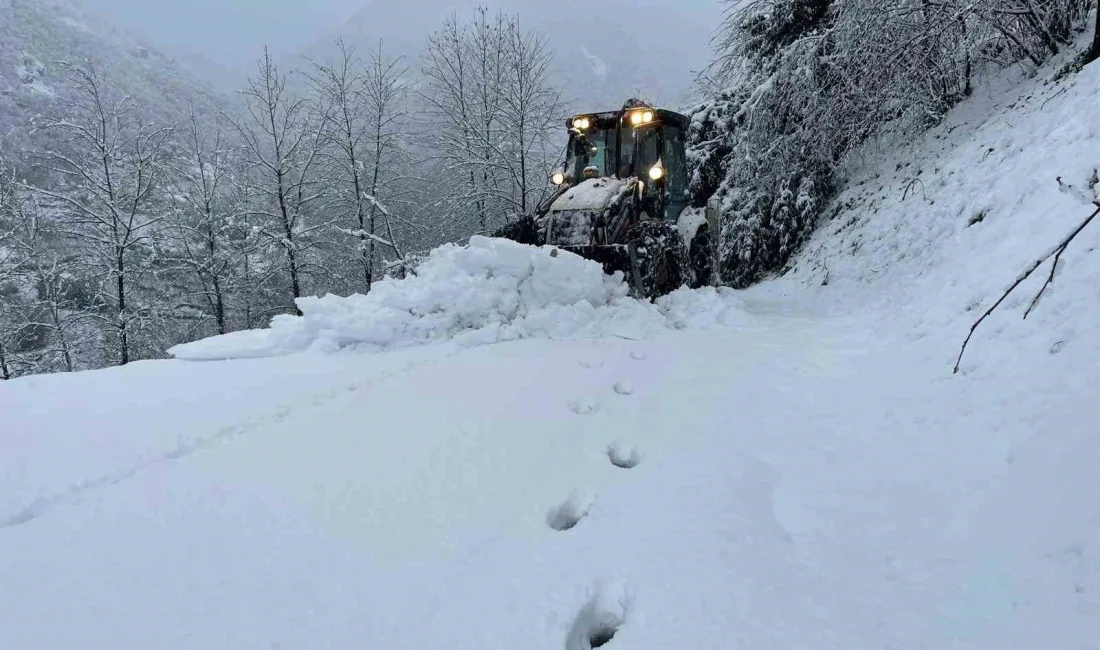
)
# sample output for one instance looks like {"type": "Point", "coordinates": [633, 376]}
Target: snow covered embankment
{"type": "Point", "coordinates": [490, 291]}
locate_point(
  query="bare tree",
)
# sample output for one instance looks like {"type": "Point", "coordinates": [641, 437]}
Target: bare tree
{"type": "Point", "coordinates": [111, 163]}
{"type": "Point", "coordinates": [367, 109]}
{"type": "Point", "coordinates": [491, 102]}
{"type": "Point", "coordinates": [52, 314]}
{"type": "Point", "coordinates": [8, 263]}
{"type": "Point", "coordinates": [207, 216]}
{"type": "Point", "coordinates": [449, 97]}
{"type": "Point", "coordinates": [386, 98]}
{"type": "Point", "coordinates": [531, 109]}
{"type": "Point", "coordinates": [41, 318]}
{"type": "Point", "coordinates": [283, 136]}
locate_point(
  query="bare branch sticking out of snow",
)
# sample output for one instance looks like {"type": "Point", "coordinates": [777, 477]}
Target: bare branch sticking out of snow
{"type": "Point", "coordinates": [1056, 252]}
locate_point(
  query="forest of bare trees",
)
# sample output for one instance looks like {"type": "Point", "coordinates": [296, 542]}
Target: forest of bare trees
{"type": "Point", "coordinates": [129, 233]}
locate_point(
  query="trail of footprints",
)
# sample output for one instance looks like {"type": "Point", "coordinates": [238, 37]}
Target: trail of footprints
{"type": "Point", "coordinates": [597, 623]}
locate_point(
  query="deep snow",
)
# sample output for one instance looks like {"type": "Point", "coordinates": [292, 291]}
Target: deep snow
{"type": "Point", "coordinates": [489, 291]}
{"type": "Point", "coordinates": [491, 458]}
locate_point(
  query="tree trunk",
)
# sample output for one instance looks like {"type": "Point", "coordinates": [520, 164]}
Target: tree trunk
{"type": "Point", "coordinates": [288, 231]}
{"type": "Point", "coordinates": [4, 373]}
{"type": "Point", "coordinates": [248, 293]}
{"type": "Point", "coordinates": [65, 352]}
{"type": "Point", "coordinates": [374, 191]}
{"type": "Point", "coordinates": [123, 338]}
{"type": "Point", "coordinates": [522, 168]}
{"type": "Point", "coordinates": [219, 298]}
{"type": "Point", "coordinates": [968, 88]}
{"type": "Point", "coordinates": [366, 248]}
{"type": "Point", "coordinates": [219, 306]}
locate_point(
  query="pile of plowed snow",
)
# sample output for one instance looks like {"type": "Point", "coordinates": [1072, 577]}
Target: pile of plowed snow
{"type": "Point", "coordinates": [488, 291]}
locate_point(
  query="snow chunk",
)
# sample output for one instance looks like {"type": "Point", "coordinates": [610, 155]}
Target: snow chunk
{"type": "Point", "coordinates": [489, 291]}
{"type": "Point", "coordinates": [702, 309]}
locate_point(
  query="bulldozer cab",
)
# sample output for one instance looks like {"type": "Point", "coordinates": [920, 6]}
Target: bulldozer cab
{"type": "Point", "coordinates": [638, 142]}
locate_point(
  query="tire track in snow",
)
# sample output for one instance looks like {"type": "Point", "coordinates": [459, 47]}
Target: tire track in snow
{"type": "Point", "coordinates": [187, 446]}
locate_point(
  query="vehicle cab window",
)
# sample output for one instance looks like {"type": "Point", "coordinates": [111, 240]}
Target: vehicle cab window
{"type": "Point", "coordinates": [676, 171]}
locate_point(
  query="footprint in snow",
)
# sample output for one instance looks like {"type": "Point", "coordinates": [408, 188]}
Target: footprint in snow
{"type": "Point", "coordinates": [623, 456]}
{"type": "Point", "coordinates": [569, 513]}
{"type": "Point", "coordinates": [638, 355]}
{"type": "Point", "coordinates": [591, 364]}
{"type": "Point", "coordinates": [598, 621]}
{"type": "Point", "coordinates": [623, 388]}
{"type": "Point", "coordinates": [584, 406]}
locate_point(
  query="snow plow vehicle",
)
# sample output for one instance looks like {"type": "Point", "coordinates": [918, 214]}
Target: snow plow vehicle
{"type": "Point", "coordinates": [621, 199]}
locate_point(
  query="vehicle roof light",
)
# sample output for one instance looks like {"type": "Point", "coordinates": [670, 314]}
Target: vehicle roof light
{"type": "Point", "coordinates": [639, 117]}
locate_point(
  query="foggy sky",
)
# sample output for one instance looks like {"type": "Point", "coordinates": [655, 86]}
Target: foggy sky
{"type": "Point", "coordinates": [665, 40]}
{"type": "Point", "coordinates": [232, 32]}
{"type": "Point", "coordinates": [228, 32]}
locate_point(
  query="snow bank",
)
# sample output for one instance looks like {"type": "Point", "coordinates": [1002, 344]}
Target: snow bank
{"type": "Point", "coordinates": [490, 291]}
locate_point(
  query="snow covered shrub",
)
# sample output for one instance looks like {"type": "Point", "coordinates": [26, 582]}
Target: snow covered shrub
{"type": "Point", "coordinates": [755, 146]}
{"type": "Point", "coordinates": [770, 201]}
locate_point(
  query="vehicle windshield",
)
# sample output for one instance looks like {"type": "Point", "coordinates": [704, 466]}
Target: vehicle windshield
{"type": "Point", "coordinates": [649, 148]}
{"type": "Point", "coordinates": [595, 148]}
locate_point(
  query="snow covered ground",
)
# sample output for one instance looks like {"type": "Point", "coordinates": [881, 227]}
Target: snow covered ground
{"type": "Point", "coordinates": [508, 453]}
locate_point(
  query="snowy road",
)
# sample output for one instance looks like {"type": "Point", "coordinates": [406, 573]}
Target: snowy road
{"type": "Point", "coordinates": [790, 487]}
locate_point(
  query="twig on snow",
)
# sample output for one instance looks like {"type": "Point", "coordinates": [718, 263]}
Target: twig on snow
{"type": "Point", "coordinates": [1056, 252]}
{"type": "Point", "coordinates": [1044, 105]}
{"type": "Point", "coordinates": [908, 187]}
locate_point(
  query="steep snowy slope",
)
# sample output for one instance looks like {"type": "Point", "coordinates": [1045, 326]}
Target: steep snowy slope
{"type": "Point", "coordinates": [793, 466]}
{"type": "Point", "coordinates": [35, 35]}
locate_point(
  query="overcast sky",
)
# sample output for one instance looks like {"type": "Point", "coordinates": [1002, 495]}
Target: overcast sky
{"type": "Point", "coordinates": [232, 33]}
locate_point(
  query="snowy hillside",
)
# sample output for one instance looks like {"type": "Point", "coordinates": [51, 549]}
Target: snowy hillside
{"type": "Point", "coordinates": [507, 452]}
{"type": "Point", "coordinates": [35, 35]}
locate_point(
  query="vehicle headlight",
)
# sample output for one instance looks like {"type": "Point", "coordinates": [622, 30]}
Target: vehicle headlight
{"type": "Point", "coordinates": [657, 172]}
{"type": "Point", "coordinates": [558, 178]}
{"type": "Point", "coordinates": [581, 123]}
{"type": "Point", "coordinates": [637, 118]}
